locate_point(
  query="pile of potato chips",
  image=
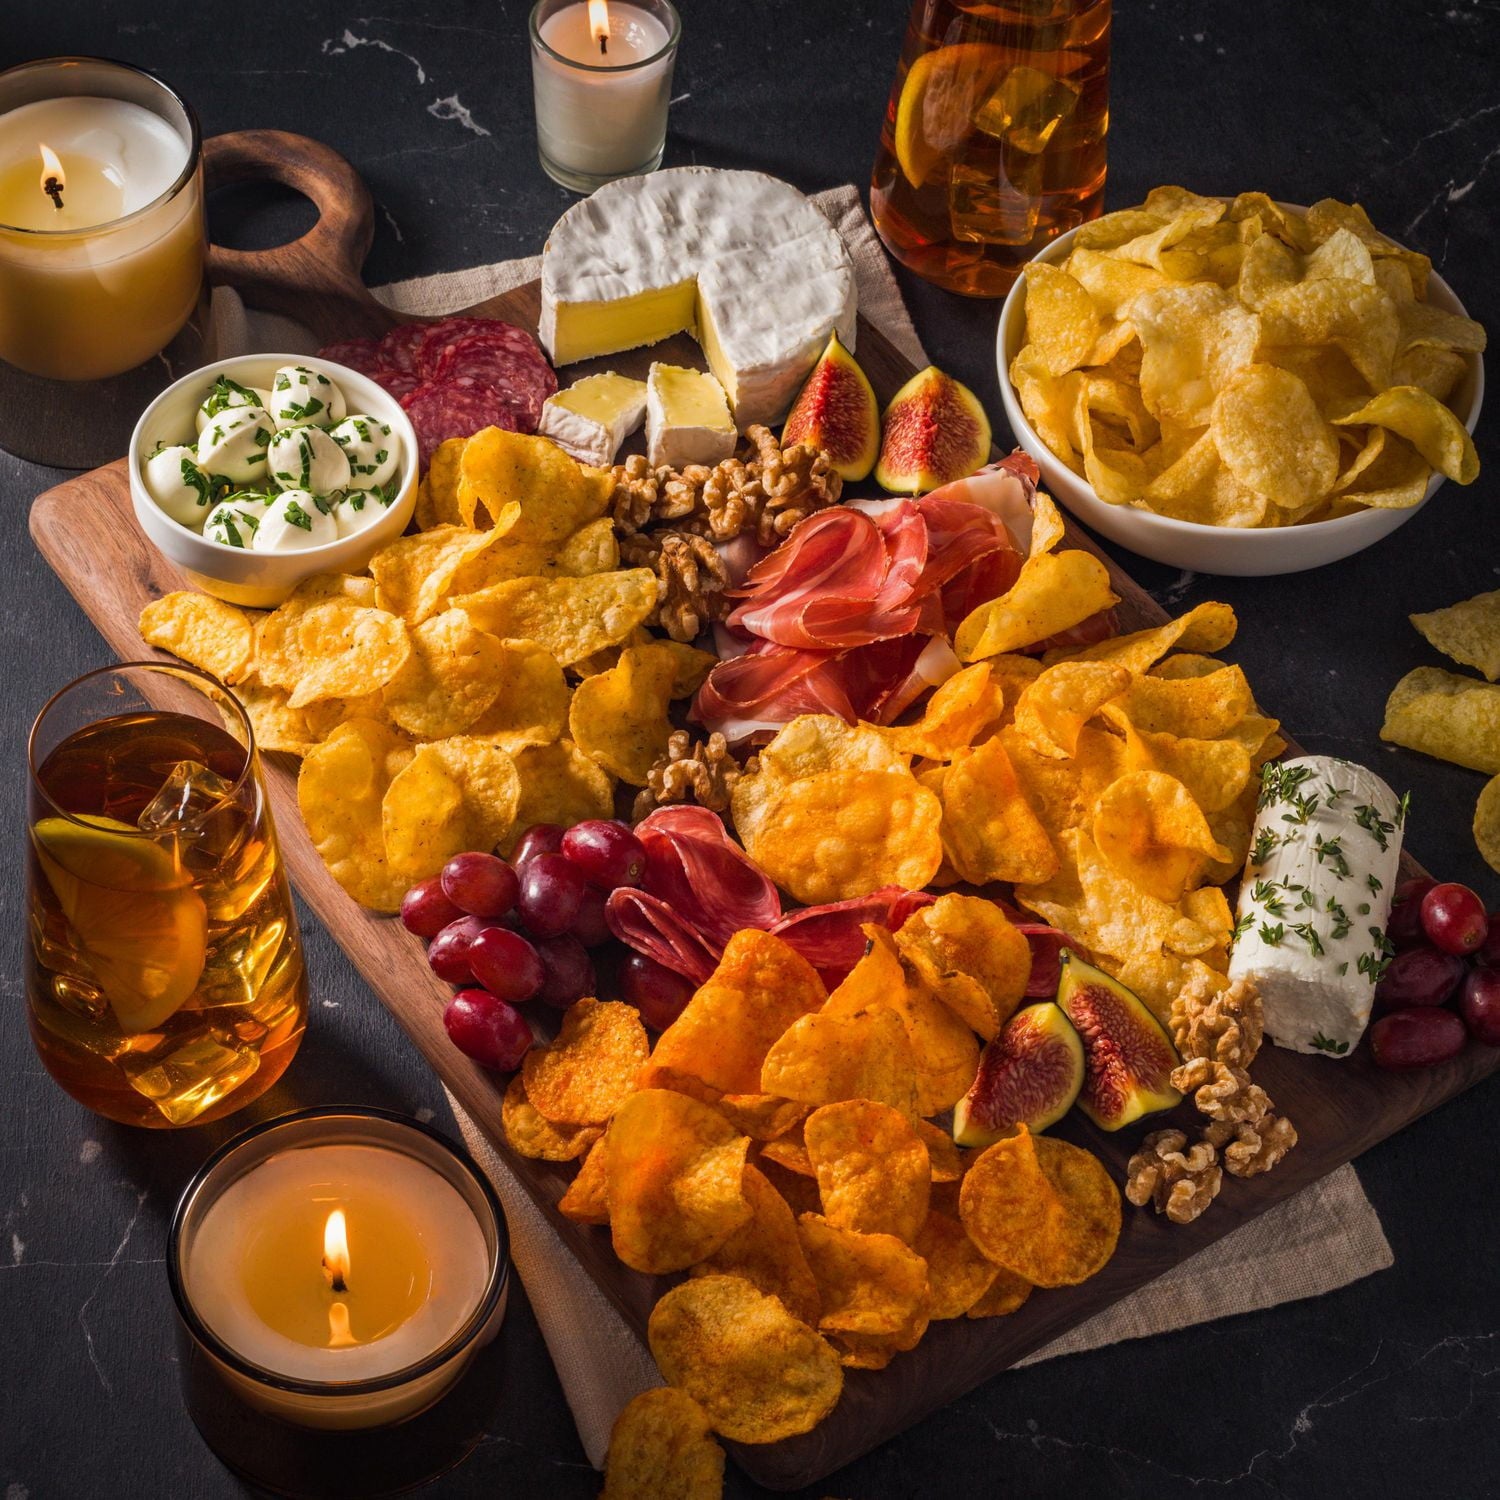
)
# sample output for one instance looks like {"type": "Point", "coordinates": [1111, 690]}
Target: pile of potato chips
{"type": "Point", "coordinates": [431, 700]}
{"type": "Point", "coordinates": [1241, 364]}
{"type": "Point", "coordinates": [1453, 717]}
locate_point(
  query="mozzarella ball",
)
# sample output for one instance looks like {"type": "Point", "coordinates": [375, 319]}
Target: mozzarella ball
{"type": "Point", "coordinates": [174, 480]}
{"type": "Point", "coordinates": [307, 458]}
{"type": "Point", "coordinates": [300, 395]}
{"type": "Point", "coordinates": [357, 509]}
{"type": "Point", "coordinates": [295, 521]}
{"type": "Point", "coordinates": [233, 445]}
{"type": "Point", "coordinates": [374, 455]}
{"type": "Point", "coordinates": [227, 394]}
{"type": "Point", "coordinates": [234, 521]}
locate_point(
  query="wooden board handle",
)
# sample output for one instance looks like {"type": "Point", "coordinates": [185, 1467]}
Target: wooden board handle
{"type": "Point", "coordinates": [314, 279]}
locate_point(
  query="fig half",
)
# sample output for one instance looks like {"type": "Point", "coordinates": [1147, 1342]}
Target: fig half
{"type": "Point", "coordinates": [1029, 1075]}
{"type": "Point", "coordinates": [836, 411]}
{"type": "Point", "coordinates": [934, 431]}
{"type": "Point", "coordinates": [1128, 1056]}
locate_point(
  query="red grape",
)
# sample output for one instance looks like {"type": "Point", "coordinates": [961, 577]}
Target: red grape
{"type": "Point", "coordinates": [1480, 1006]}
{"type": "Point", "coordinates": [480, 884]}
{"type": "Point", "coordinates": [425, 910]}
{"type": "Point", "coordinates": [1454, 919]}
{"type": "Point", "coordinates": [606, 852]}
{"type": "Point", "coordinates": [1405, 926]}
{"type": "Point", "coordinates": [540, 838]}
{"type": "Point", "coordinates": [551, 894]}
{"type": "Point", "coordinates": [1420, 976]}
{"type": "Point", "coordinates": [1489, 949]}
{"type": "Point", "coordinates": [484, 1027]}
{"type": "Point", "coordinates": [659, 993]}
{"type": "Point", "coordinates": [1416, 1038]}
{"type": "Point", "coordinates": [568, 970]}
{"type": "Point", "coordinates": [448, 953]}
{"type": "Point", "coordinates": [589, 926]}
{"type": "Point", "coordinates": [506, 964]}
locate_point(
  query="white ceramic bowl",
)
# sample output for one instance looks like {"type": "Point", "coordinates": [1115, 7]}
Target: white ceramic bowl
{"type": "Point", "coordinates": [1245, 552]}
{"type": "Point", "coordinates": [261, 580]}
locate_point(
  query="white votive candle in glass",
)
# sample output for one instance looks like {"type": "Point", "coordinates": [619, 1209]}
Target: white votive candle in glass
{"type": "Point", "coordinates": [601, 71]}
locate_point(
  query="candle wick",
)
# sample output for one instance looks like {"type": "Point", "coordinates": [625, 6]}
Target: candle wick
{"type": "Point", "coordinates": [335, 1277]}
{"type": "Point", "coordinates": [53, 189]}
{"type": "Point", "coordinates": [338, 1283]}
{"type": "Point", "coordinates": [603, 46]}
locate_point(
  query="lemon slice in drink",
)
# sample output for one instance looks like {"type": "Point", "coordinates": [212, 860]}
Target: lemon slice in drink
{"type": "Point", "coordinates": [939, 99]}
{"type": "Point", "coordinates": [132, 911]}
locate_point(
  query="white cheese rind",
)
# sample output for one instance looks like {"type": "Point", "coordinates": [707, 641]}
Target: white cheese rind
{"type": "Point", "coordinates": [1315, 898]}
{"type": "Point", "coordinates": [585, 438]}
{"type": "Point", "coordinates": [676, 445]}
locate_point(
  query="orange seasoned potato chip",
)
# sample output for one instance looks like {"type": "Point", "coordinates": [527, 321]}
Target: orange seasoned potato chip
{"type": "Point", "coordinates": [530, 1133]}
{"type": "Point", "coordinates": [454, 673]}
{"type": "Point", "coordinates": [760, 1373]}
{"type": "Point", "coordinates": [530, 706]}
{"type": "Point", "coordinates": [763, 1117]}
{"type": "Point", "coordinates": [1051, 712]}
{"type": "Point", "coordinates": [1148, 827]}
{"type": "Point", "coordinates": [972, 958]}
{"type": "Point", "coordinates": [456, 794]}
{"type": "Point", "coordinates": [868, 1283]}
{"type": "Point", "coordinates": [957, 713]}
{"type": "Point", "coordinates": [760, 987]}
{"type": "Point", "coordinates": [798, 1189]}
{"type": "Point", "coordinates": [661, 1446]}
{"type": "Point", "coordinates": [559, 784]}
{"type": "Point", "coordinates": [319, 647]}
{"type": "Point", "coordinates": [587, 1071]}
{"type": "Point", "coordinates": [587, 1198]}
{"type": "Point", "coordinates": [1205, 627]}
{"type": "Point", "coordinates": [619, 717]}
{"type": "Point", "coordinates": [1005, 1295]}
{"type": "Point", "coordinates": [204, 631]}
{"type": "Point", "coordinates": [943, 1155]}
{"type": "Point", "coordinates": [675, 1190]}
{"type": "Point", "coordinates": [789, 1152]}
{"type": "Point", "coordinates": [414, 574]}
{"type": "Point", "coordinates": [957, 1274]}
{"type": "Point", "coordinates": [1056, 591]}
{"type": "Point", "coordinates": [873, 1171]}
{"type": "Point", "coordinates": [824, 1058]}
{"type": "Point", "coordinates": [989, 829]}
{"type": "Point", "coordinates": [1041, 1208]}
{"type": "Point", "coordinates": [571, 617]}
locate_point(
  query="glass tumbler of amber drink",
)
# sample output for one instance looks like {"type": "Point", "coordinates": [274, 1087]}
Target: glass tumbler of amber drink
{"type": "Point", "coordinates": [994, 137]}
{"type": "Point", "coordinates": [164, 981]}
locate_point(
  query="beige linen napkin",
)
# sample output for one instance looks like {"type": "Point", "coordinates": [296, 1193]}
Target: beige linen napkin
{"type": "Point", "coordinates": [1324, 1238]}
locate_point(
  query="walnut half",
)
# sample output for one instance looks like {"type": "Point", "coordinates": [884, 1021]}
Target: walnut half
{"type": "Point", "coordinates": [1252, 1147]}
{"type": "Point", "coordinates": [1224, 1025]}
{"type": "Point", "coordinates": [1180, 1183]}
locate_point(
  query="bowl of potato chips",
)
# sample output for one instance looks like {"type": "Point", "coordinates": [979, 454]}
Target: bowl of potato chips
{"type": "Point", "coordinates": [1240, 386]}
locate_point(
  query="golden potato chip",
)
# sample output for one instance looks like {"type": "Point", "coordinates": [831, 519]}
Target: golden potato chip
{"type": "Point", "coordinates": [1205, 707]}
{"type": "Point", "coordinates": [870, 1284]}
{"type": "Point", "coordinates": [324, 716]}
{"type": "Point", "coordinates": [1396, 479]}
{"type": "Point", "coordinates": [660, 1446]}
{"type": "Point", "coordinates": [1272, 438]}
{"type": "Point", "coordinates": [586, 1072]}
{"type": "Point", "coordinates": [1062, 326]}
{"type": "Point", "coordinates": [1428, 425]}
{"type": "Point", "coordinates": [1205, 627]}
{"type": "Point", "coordinates": [587, 1198]}
{"type": "Point", "coordinates": [1194, 338]}
{"type": "Point", "coordinates": [553, 493]}
{"type": "Point", "coordinates": [454, 673]}
{"type": "Point", "coordinates": [812, 744]}
{"type": "Point", "coordinates": [1468, 632]}
{"type": "Point", "coordinates": [1005, 1295]}
{"type": "Point", "coordinates": [943, 1156]}
{"type": "Point", "coordinates": [530, 1133]}
{"type": "Point", "coordinates": [870, 1351]}
{"type": "Point", "coordinates": [761, 986]}
{"type": "Point", "coordinates": [319, 647]}
{"type": "Point", "coordinates": [559, 784]}
{"type": "Point", "coordinates": [873, 1171]}
{"type": "Point", "coordinates": [800, 1190]}
{"type": "Point", "coordinates": [1156, 977]}
{"type": "Point", "coordinates": [767, 1251]}
{"type": "Point", "coordinates": [277, 726]}
{"type": "Point", "coordinates": [1041, 1208]}
{"type": "Point", "coordinates": [1048, 403]}
{"type": "Point", "coordinates": [1121, 916]}
{"type": "Point", "coordinates": [1215, 772]}
{"type": "Point", "coordinates": [989, 831]}
{"type": "Point", "coordinates": [675, 1191]}
{"type": "Point", "coordinates": [1052, 711]}
{"type": "Point", "coordinates": [1055, 591]}
{"type": "Point", "coordinates": [975, 961]}
{"type": "Point", "coordinates": [530, 706]}
{"type": "Point", "coordinates": [957, 713]}
{"type": "Point", "coordinates": [571, 617]}
{"type": "Point", "coordinates": [763, 1117]}
{"type": "Point", "coordinates": [957, 1274]}
{"type": "Point", "coordinates": [340, 789]}
{"type": "Point", "coordinates": [760, 1373]}
{"type": "Point", "coordinates": [1487, 824]}
{"type": "Point", "coordinates": [619, 717]}
{"type": "Point", "coordinates": [1328, 215]}
{"type": "Point", "coordinates": [1148, 826]}
{"type": "Point", "coordinates": [456, 794]}
{"type": "Point", "coordinates": [414, 574]}
{"type": "Point", "coordinates": [824, 1058]}
{"type": "Point", "coordinates": [204, 631]}
{"type": "Point", "coordinates": [442, 481]}
{"type": "Point", "coordinates": [1445, 715]}
{"type": "Point", "coordinates": [790, 1153]}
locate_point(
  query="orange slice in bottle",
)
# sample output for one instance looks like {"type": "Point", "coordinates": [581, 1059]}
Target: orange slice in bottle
{"type": "Point", "coordinates": [132, 913]}
{"type": "Point", "coordinates": [942, 93]}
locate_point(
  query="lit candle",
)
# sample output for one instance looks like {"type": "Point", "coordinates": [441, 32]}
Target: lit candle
{"type": "Point", "coordinates": [101, 218]}
{"type": "Point", "coordinates": [602, 75]}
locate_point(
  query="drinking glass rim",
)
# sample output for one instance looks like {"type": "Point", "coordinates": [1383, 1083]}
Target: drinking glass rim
{"type": "Point", "coordinates": [190, 167]}
{"type": "Point", "coordinates": [674, 36]}
{"type": "Point", "coordinates": [181, 669]}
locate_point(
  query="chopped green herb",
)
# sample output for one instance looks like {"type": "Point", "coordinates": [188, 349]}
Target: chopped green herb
{"type": "Point", "coordinates": [1327, 1044]}
{"type": "Point", "coordinates": [1343, 968]}
{"type": "Point", "coordinates": [1308, 934]}
{"type": "Point", "coordinates": [1242, 926]}
{"type": "Point", "coordinates": [1373, 824]}
{"type": "Point", "coordinates": [1403, 807]}
{"type": "Point", "coordinates": [1303, 808]}
{"type": "Point", "coordinates": [298, 517]}
{"type": "Point", "coordinates": [1264, 894]}
{"type": "Point", "coordinates": [1265, 845]}
{"type": "Point", "coordinates": [1279, 781]}
{"type": "Point", "coordinates": [1331, 852]}
{"type": "Point", "coordinates": [1373, 881]}
{"type": "Point", "coordinates": [1272, 936]}
{"type": "Point", "coordinates": [1341, 923]}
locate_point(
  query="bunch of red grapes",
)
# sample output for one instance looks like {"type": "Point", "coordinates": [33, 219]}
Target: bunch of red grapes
{"type": "Point", "coordinates": [506, 932]}
{"type": "Point", "coordinates": [1447, 947]}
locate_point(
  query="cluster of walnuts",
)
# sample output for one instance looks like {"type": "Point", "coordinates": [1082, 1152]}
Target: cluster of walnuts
{"type": "Point", "coordinates": [701, 771]}
{"type": "Point", "coordinates": [1217, 1032]}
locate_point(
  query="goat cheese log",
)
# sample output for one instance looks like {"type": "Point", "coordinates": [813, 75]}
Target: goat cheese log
{"type": "Point", "coordinates": [1315, 897]}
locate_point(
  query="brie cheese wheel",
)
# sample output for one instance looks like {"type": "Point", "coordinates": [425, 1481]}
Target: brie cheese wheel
{"type": "Point", "coordinates": [295, 521]}
{"type": "Point", "coordinates": [233, 522]}
{"type": "Point", "coordinates": [742, 261]}
{"type": "Point", "coordinates": [174, 480]}
{"type": "Point", "coordinates": [227, 393]}
{"type": "Point", "coordinates": [594, 416]}
{"type": "Point", "coordinates": [687, 418]}
{"type": "Point", "coordinates": [300, 395]}
{"type": "Point", "coordinates": [234, 443]}
{"type": "Point", "coordinates": [1315, 898]}
{"type": "Point", "coordinates": [374, 454]}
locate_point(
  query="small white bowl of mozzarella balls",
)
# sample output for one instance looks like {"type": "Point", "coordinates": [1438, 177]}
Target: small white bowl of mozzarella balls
{"type": "Point", "coordinates": [256, 473]}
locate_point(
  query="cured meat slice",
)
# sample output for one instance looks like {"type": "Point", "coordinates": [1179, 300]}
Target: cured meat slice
{"type": "Point", "coordinates": [440, 410]}
{"type": "Point", "coordinates": [400, 345]}
{"type": "Point", "coordinates": [437, 338]}
{"type": "Point", "coordinates": [1046, 945]}
{"type": "Point", "coordinates": [830, 937]}
{"type": "Point", "coordinates": [1098, 627]}
{"type": "Point", "coordinates": [648, 925]}
{"type": "Point", "coordinates": [516, 369]}
{"type": "Point", "coordinates": [398, 383]}
{"type": "Point", "coordinates": [365, 355]}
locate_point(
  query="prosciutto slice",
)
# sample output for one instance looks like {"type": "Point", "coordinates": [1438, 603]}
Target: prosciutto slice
{"type": "Point", "coordinates": [830, 937]}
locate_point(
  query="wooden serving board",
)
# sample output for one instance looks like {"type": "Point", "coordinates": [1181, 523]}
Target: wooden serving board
{"type": "Point", "coordinates": [86, 531]}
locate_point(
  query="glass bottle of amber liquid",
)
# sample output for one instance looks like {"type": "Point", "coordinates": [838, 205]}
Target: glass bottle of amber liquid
{"type": "Point", "coordinates": [994, 137]}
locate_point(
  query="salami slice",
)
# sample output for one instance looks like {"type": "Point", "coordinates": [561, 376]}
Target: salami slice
{"type": "Point", "coordinates": [398, 382]}
{"type": "Point", "coordinates": [364, 355]}
{"type": "Point", "coordinates": [1046, 944]}
{"type": "Point", "coordinates": [439, 337]}
{"type": "Point", "coordinates": [514, 366]}
{"type": "Point", "coordinates": [831, 937]}
{"type": "Point", "coordinates": [648, 925]}
{"type": "Point", "coordinates": [440, 410]}
{"type": "Point", "coordinates": [400, 345]}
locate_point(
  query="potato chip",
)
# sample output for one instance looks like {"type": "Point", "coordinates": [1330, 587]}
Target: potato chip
{"type": "Point", "coordinates": [869, 1284]}
{"type": "Point", "coordinates": [1468, 632]}
{"type": "Point", "coordinates": [1445, 715]}
{"type": "Point", "coordinates": [1055, 591]}
{"type": "Point", "coordinates": [799, 1189]}
{"type": "Point", "coordinates": [1205, 707]}
{"type": "Point", "coordinates": [619, 718]}
{"type": "Point", "coordinates": [873, 1171]}
{"type": "Point", "coordinates": [1006, 1293]}
{"type": "Point", "coordinates": [767, 1251]}
{"type": "Point", "coordinates": [763, 1117]}
{"type": "Point", "coordinates": [441, 480]}
{"type": "Point", "coordinates": [812, 744]}
{"type": "Point", "coordinates": [1396, 479]}
{"type": "Point", "coordinates": [1215, 772]}
{"type": "Point", "coordinates": [1156, 977]}
{"type": "Point", "coordinates": [761, 986]}
{"type": "Point", "coordinates": [277, 726]}
{"type": "Point", "coordinates": [958, 712]}
{"type": "Point", "coordinates": [1487, 824]}
{"type": "Point", "coordinates": [660, 1446]}
{"type": "Point", "coordinates": [943, 1156]}
{"type": "Point", "coordinates": [340, 789]}
{"type": "Point", "coordinates": [974, 960]}
{"type": "Point", "coordinates": [588, 1070]}
{"type": "Point", "coordinates": [760, 1373]}
{"type": "Point", "coordinates": [454, 673]}
{"type": "Point", "coordinates": [840, 835]}
{"type": "Point", "coordinates": [204, 631]}
{"type": "Point", "coordinates": [824, 1058]}
{"type": "Point", "coordinates": [456, 794]}
{"type": "Point", "coordinates": [1051, 712]}
{"type": "Point", "coordinates": [319, 647]}
{"type": "Point", "coordinates": [1041, 1208]}
{"type": "Point", "coordinates": [1205, 627]}
{"type": "Point", "coordinates": [789, 1152]}
{"type": "Point", "coordinates": [1428, 425]}
{"type": "Point", "coordinates": [1148, 827]}
{"type": "Point", "coordinates": [530, 706]}
{"type": "Point", "coordinates": [957, 1274]}
{"type": "Point", "coordinates": [1272, 438]}
{"type": "Point", "coordinates": [1062, 326]}
{"type": "Point", "coordinates": [414, 574]}
{"type": "Point", "coordinates": [1194, 339]}
{"type": "Point", "coordinates": [587, 1199]}
{"type": "Point", "coordinates": [571, 617]}
{"type": "Point", "coordinates": [555, 495]}
{"type": "Point", "coordinates": [1328, 215]}
{"type": "Point", "coordinates": [674, 1187]}
{"type": "Point", "coordinates": [989, 830]}
{"type": "Point", "coordinates": [530, 1133]}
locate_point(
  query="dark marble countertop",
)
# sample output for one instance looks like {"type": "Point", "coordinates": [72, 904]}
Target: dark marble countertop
{"type": "Point", "coordinates": [1390, 1387]}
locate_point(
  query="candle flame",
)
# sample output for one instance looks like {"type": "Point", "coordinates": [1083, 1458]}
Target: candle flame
{"type": "Point", "coordinates": [336, 1251]}
{"type": "Point", "coordinates": [599, 23]}
{"type": "Point", "coordinates": [340, 1335]}
{"type": "Point", "coordinates": [52, 168]}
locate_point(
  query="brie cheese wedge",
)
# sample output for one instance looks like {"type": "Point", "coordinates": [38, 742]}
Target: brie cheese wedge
{"type": "Point", "coordinates": [742, 261]}
{"type": "Point", "coordinates": [687, 418]}
{"type": "Point", "coordinates": [594, 416]}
